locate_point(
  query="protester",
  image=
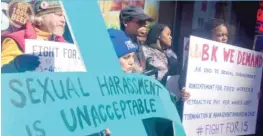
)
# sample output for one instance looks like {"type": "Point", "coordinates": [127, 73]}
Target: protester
{"type": "Point", "coordinates": [158, 53]}
{"type": "Point", "coordinates": [124, 48]}
{"type": "Point", "coordinates": [214, 29]}
{"type": "Point", "coordinates": [47, 24]}
{"type": "Point", "coordinates": [133, 22]}
{"type": "Point", "coordinates": [159, 56]}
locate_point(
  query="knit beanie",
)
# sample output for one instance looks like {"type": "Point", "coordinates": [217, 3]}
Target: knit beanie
{"type": "Point", "coordinates": [122, 44]}
{"type": "Point", "coordinates": [43, 7]}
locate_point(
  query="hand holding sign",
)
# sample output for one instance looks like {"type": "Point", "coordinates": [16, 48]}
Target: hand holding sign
{"type": "Point", "coordinates": [185, 94]}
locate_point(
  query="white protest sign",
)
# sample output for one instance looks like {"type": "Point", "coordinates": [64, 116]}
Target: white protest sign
{"type": "Point", "coordinates": [55, 56]}
{"type": "Point", "coordinates": [224, 82]}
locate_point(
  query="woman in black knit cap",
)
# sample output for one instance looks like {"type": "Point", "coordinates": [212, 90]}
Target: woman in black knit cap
{"type": "Point", "coordinates": [158, 53]}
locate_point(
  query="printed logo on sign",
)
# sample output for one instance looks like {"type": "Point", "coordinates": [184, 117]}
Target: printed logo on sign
{"type": "Point", "coordinates": [130, 45]}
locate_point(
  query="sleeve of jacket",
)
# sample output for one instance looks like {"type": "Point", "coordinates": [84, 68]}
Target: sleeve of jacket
{"type": "Point", "coordinates": [10, 50]}
{"type": "Point", "coordinates": [172, 66]}
{"type": "Point", "coordinates": [152, 63]}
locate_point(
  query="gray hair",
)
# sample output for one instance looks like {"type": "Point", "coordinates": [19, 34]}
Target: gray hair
{"type": "Point", "coordinates": [36, 20]}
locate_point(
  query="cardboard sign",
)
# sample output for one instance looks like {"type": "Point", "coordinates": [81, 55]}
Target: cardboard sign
{"type": "Point", "coordinates": [85, 103]}
{"type": "Point", "coordinates": [55, 56]}
{"type": "Point", "coordinates": [224, 82]}
{"type": "Point", "coordinates": [81, 104]}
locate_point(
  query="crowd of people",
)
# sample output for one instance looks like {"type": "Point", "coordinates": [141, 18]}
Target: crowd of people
{"type": "Point", "coordinates": [139, 51]}
{"type": "Point", "coordinates": [154, 52]}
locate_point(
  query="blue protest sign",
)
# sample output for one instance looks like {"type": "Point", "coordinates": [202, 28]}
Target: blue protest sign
{"type": "Point", "coordinates": [81, 104]}
{"type": "Point", "coordinates": [86, 103]}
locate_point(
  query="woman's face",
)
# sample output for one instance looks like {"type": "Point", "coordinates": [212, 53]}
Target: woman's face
{"type": "Point", "coordinates": [220, 34]}
{"type": "Point", "coordinates": [127, 62]}
{"type": "Point", "coordinates": [165, 37]}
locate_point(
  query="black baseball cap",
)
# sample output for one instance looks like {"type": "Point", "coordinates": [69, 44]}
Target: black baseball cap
{"type": "Point", "coordinates": [133, 11]}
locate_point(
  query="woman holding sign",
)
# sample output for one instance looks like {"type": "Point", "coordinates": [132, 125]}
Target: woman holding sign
{"type": "Point", "coordinates": [214, 29]}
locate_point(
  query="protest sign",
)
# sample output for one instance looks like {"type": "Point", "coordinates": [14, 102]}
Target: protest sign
{"type": "Point", "coordinates": [55, 56]}
{"type": "Point", "coordinates": [81, 104]}
{"type": "Point", "coordinates": [224, 82]}
{"type": "Point", "coordinates": [86, 103]}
